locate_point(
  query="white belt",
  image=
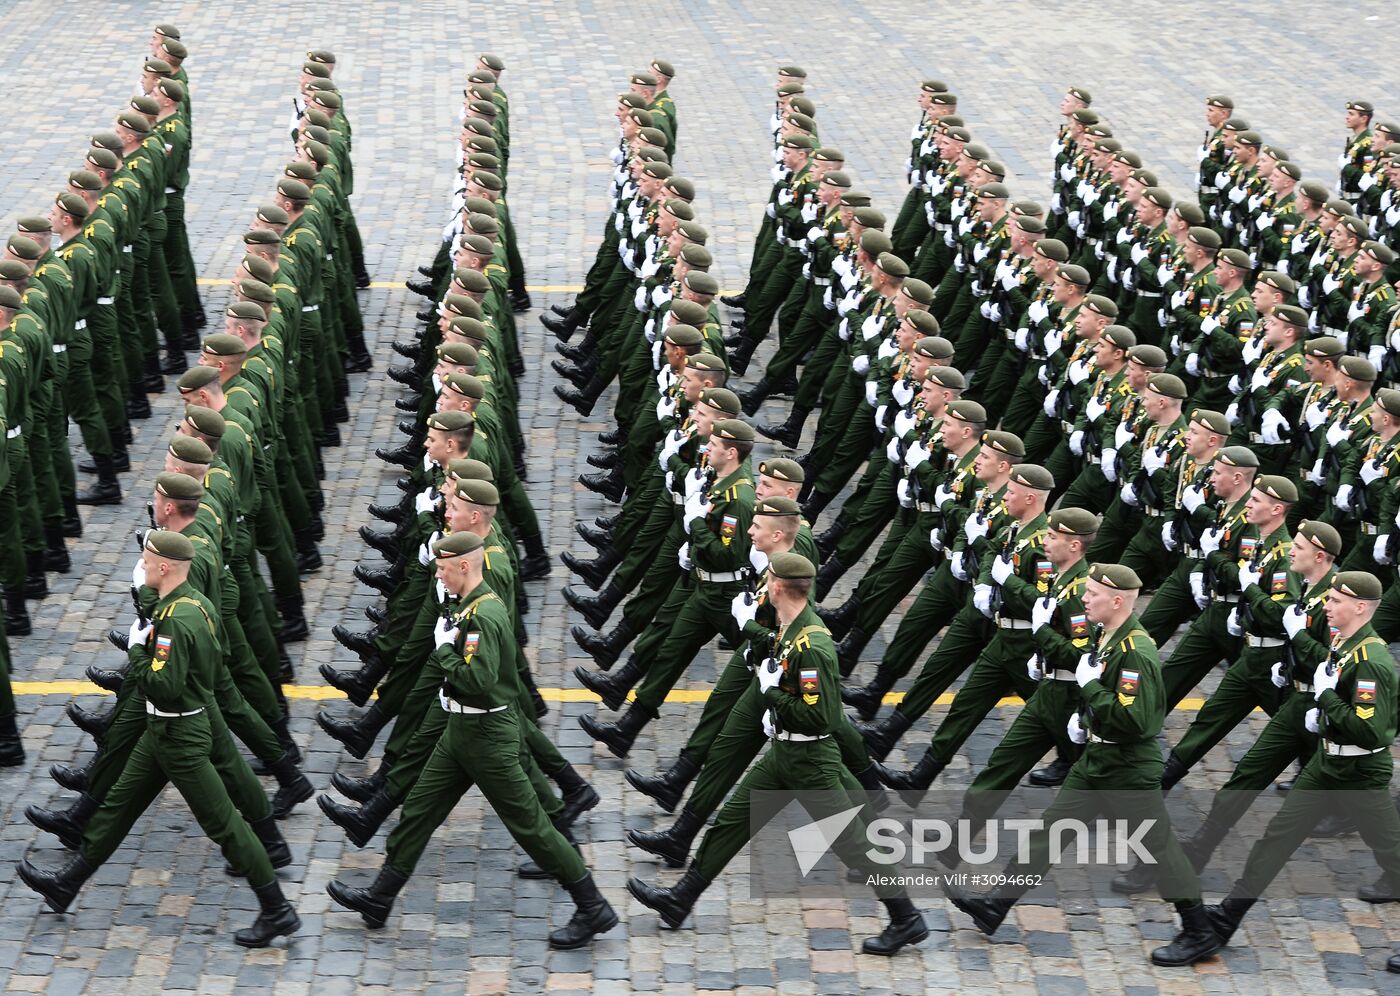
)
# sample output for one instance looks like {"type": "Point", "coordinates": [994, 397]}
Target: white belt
{"type": "Point", "coordinates": [14, 433]}
{"type": "Point", "coordinates": [153, 711]}
{"type": "Point", "coordinates": [465, 710]}
{"type": "Point", "coordinates": [328, 255]}
{"type": "Point", "coordinates": [927, 506]}
{"type": "Point", "coordinates": [1003, 623]}
{"type": "Point", "coordinates": [311, 307]}
{"type": "Point", "coordinates": [1228, 599]}
{"type": "Point", "coordinates": [801, 737]}
{"type": "Point", "coordinates": [1093, 458]}
{"type": "Point", "coordinates": [1302, 686]}
{"type": "Point", "coordinates": [1256, 438]}
{"type": "Point", "coordinates": [172, 190]}
{"type": "Point", "coordinates": [822, 281]}
{"type": "Point", "coordinates": [720, 578]}
{"type": "Point", "coordinates": [1094, 738]}
{"type": "Point", "coordinates": [106, 300]}
{"type": "Point", "coordinates": [81, 323]}
{"type": "Point", "coordinates": [1350, 750]}
{"type": "Point", "coordinates": [1060, 674]}
{"type": "Point", "coordinates": [127, 248]}
{"type": "Point", "coordinates": [1263, 641]}
{"type": "Point", "coordinates": [1368, 528]}
{"type": "Point", "coordinates": [60, 347]}
{"type": "Point", "coordinates": [1143, 293]}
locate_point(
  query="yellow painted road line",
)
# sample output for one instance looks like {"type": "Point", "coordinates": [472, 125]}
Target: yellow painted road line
{"type": "Point", "coordinates": [323, 693]}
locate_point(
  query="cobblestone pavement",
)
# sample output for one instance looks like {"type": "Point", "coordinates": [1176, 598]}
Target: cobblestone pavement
{"type": "Point", "coordinates": [158, 916]}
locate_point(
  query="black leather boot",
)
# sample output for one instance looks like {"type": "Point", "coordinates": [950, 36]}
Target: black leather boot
{"type": "Point", "coordinates": [107, 679]}
{"type": "Point", "coordinates": [865, 699]}
{"type": "Point", "coordinates": [917, 778]}
{"type": "Point", "coordinates": [360, 825]}
{"type": "Point", "coordinates": [789, 433]}
{"type": "Point", "coordinates": [752, 399]}
{"type": "Point", "coordinates": [358, 734]}
{"type": "Point", "coordinates": [11, 748]}
{"type": "Point", "coordinates": [598, 539]}
{"type": "Point", "coordinates": [360, 789]}
{"type": "Point", "coordinates": [358, 685]}
{"type": "Point", "coordinates": [592, 916]}
{"type": "Point", "coordinates": [174, 362]}
{"type": "Point", "coordinates": [373, 904]}
{"type": "Point", "coordinates": [56, 551]}
{"type": "Point", "coordinates": [36, 585]}
{"type": "Point", "coordinates": [308, 557]}
{"type": "Point", "coordinates": [106, 490]}
{"type": "Point", "coordinates": [579, 375]}
{"type": "Point", "coordinates": [618, 737]}
{"type": "Point", "coordinates": [1225, 919]}
{"type": "Point", "coordinates": [595, 608]}
{"type": "Point", "coordinates": [673, 904]}
{"type": "Point", "coordinates": [400, 456]}
{"type": "Point", "coordinates": [393, 514]}
{"type": "Point", "coordinates": [1173, 771]}
{"type": "Point", "coordinates": [361, 644]}
{"type": "Point", "coordinates": [70, 776]}
{"type": "Point", "coordinates": [881, 737]}
{"type": "Point", "coordinates": [1052, 774]}
{"type": "Point", "coordinates": [813, 506]}
{"type": "Point", "coordinates": [72, 521]}
{"type": "Point", "coordinates": [278, 853]}
{"type": "Point", "coordinates": [608, 484]}
{"type": "Point", "coordinates": [987, 912]}
{"type": "Point", "coordinates": [577, 795]}
{"type": "Point", "coordinates": [563, 326]}
{"type": "Point", "coordinates": [276, 918]}
{"type": "Point", "coordinates": [293, 787]}
{"type": "Point", "coordinates": [422, 287]}
{"type": "Point", "coordinates": [16, 615]}
{"type": "Point", "coordinates": [1197, 940]}
{"type": "Point", "coordinates": [383, 582]}
{"type": "Point", "coordinates": [59, 888]}
{"type": "Point", "coordinates": [740, 356]}
{"type": "Point", "coordinates": [606, 460]}
{"type": "Point", "coordinates": [94, 724]}
{"type": "Point", "coordinates": [827, 575]}
{"type": "Point", "coordinates": [294, 627]}
{"type": "Point", "coordinates": [673, 845]}
{"type": "Point", "coordinates": [607, 648]}
{"type": "Point", "coordinates": [849, 649]}
{"type": "Point", "coordinates": [593, 572]}
{"type": "Point", "coordinates": [535, 564]}
{"type": "Point", "coordinates": [906, 927]}
{"type": "Point", "coordinates": [386, 543]}
{"type": "Point", "coordinates": [612, 689]}
{"type": "Point", "coordinates": [667, 787]}
{"type": "Point", "coordinates": [65, 824]}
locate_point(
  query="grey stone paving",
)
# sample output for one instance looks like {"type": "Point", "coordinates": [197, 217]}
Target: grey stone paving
{"type": "Point", "coordinates": [158, 916]}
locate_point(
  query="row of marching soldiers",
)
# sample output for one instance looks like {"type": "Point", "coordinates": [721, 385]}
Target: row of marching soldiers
{"type": "Point", "coordinates": [205, 654]}
{"type": "Point", "coordinates": [446, 653]}
{"type": "Point", "coordinates": [1182, 377]}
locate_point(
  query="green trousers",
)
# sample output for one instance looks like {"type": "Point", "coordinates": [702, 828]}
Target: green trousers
{"type": "Point", "coordinates": [180, 752]}
{"type": "Point", "coordinates": [999, 671]}
{"type": "Point", "coordinates": [1172, 605]}
{"type": "Point", "coordinates": [937, 604]}
{"type": "Point", "coordinates": [1205, 644]}
{"type": "Point", "coordinates": [761, 306]}
{"type": "Point", "coordinates": [692, 617]}
{"type": "Point", "coordinates": [1041, 725]}
{"type": "Point", "coordinates": [910, 225]}
{"type": "Point", "coordinates": [875, 505]}
{"type": "Point", "coordinates": [480, 750]}
{"type": "Point", "coordinates": [795, 341]}
{"type": "Point", "coordinates": [108, 375]}
{"type": "Point", "coordinates": [178, 258]}
{"type": "Point", "coordinates": [966, 635]}
{"type": "Point", "coordinates": [1245, 686]}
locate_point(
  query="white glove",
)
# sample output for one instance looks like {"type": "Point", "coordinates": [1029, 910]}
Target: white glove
{"type": "Point", "coordinates": [1376, 354]}
{"type": "Point", "coordinates": [1264, 221]}
{"type": "Point", "coordinates": [870, 393]}
{"type": "Point", "coordinates": [1154, 459]}
{"type": "Point", "coordinates": [1232, 413]}
{"type": "Point", "coordinates": [1310, 720]}
{"type": "Point", "coordinates": [1052, 341]}
{"type": "Point", "coordinates": [744, 608]}
{"type": "Point", "coordinates": [758, 559]}
{"type": "Point", "coordinates": [1249, 575]}
{"type": "Point", "coordinates": [1315, 473]}
{"type": "Point", "coordinates": [976, 527]}
{"type": "Point", "coordinates": [1232, 622]}
{"type": "Point", "coordinates": [1051, 401]}
{"type": "Point", "coordinates": [1128, 494]}
{"type": "Point", "coordinates": [1077, 733]}
{"type": "Point", "coordinates": [665, 408]}
{"type": "Point", "coordinates": [1193, 364]}
{"type": "Point", "coordinates": [917, 455]}
{"type": "Point", "coordinates": [1336, 432]}
{"type": "Point", "coordinates": [1079, 372]}
{"type": "Point", "coordinates": [1315, 415]}
{"type": "Point", "coordinates": [892, 451]}
{"type": "Point", "coordinates": [139, 633]}
{"type": "Point", "coordinates": [1169, 540]}
{"type": "Point", "coordinates": [982, 599]}
{"type": "Point", "coordinates": [881, 413]}
{"type": "Point", "coordinates": [1073, 219]}
{"type": "Point", "coordinates": [770, 672]}
{"type": "Point", "coordinates": [956, 566]}
{"type": "Point", "coordinates": [1211, 539]}
{"type": "Point", "coordinates": [1001, 569]}
{"type": "Point", "coordinates": [696, 507]}
{"type": "Point", "coordinates": [1076, 442]}
{"type": "Point", "coordinates": [1260, 380]}
{"type": "Point", "coordinates": [683, 557]}
{"type": "Point", "coordinates": [1198, 590]}
{"type": "Point", "coordinates": [942, 494]}
{"type": "Point", "coordinates": [1323, 681]}
{"type": "Point", "coordinates": [1088, 670]}
{"type": "Point", "coordinates": [425, 554]}
{"type": "Point", "coordinates": [1139, 253]}
{"type": "Point", "coordinates": [904, 421]}
{"type": "Point", "coordinates": [425, 501]}
{"type": "Point", "coordinates": [1378, 550]}
{"type": "Point", "coordinates": [1234, 383]}
{"type": "Point", "coordinates": [694, 481]}
{"type": "Point", "coordinates": [1295, 620]}
{"type": "Point", "coordinates": [1094, 409]}
{"type": "Point", "coordinates": [138, 573]}
{"type": "Point", "coordinates": [1043, 612]}
{"type": "Point", "coordinates": [1033, 669]}
{"type": "Point", "coordinates": [935, 538]}
{"type": "Point", "coordinates": [861, 364]}
{"type": "Point", "coordinates": [1108, 465]}
{"type": "Point", "coordinates": [1273, 426]}
{"type": "Point", "coordinates": [902, 493]}
{"type": "Point", "coordinates": [903, 393]}
{"type": "Point", "coordinates": [770, 730]}
{"type": "Point", "coordinates": [444, 633]}
{"type": "Point", "coordinates": [1342, 499]}
{"type": "Point", "coordinates": [1023, 339]}
{"type": "Point", "coordinates": [1370, 472]}
{"type": "Point", "coordinates": [1122, 436]}
{"type": "Point", "coordinates": [1277, 677]}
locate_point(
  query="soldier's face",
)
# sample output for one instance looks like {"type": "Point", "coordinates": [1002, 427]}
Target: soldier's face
{"type": "Point", "coordinates": [1199, 440]}
{"type": "Point", "coordinates": [1058, 546]}
{"type": "Point", "coordinates": [1260, 508]}
{"type": "Point", "coordinates": [1301, 554]}
{"type": "Point", "coordinates": [986, 464]}
{"type": "Point", "coordinates": [1215, 116]}
{"type": "Point", "coordinates": [764, 537]}
{"type": "Point", "coordinates": [435, 445]}
{"type": "Point", "coordinates": [1223, 478]}
{"type": "Point", "coordinates": [1100, 602]}
{"type": "Point", "coordinates": [1106, 354]}
{"type": "Point", "coordinates": [1345, 612]}
{"type": "Point", "coordinates": [1265, 297]}
{"type": "Point", "coordinates": [1355, 119]}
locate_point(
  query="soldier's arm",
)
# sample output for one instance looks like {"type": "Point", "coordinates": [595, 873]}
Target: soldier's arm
{"type": "Point", "coordinates": [1023, 588]}
{"type": "Point", "coordinates": [1062, 652]}
{"type": "Point", "coordinates": [721, 539]}
{"type": "Point", "coordinates": [1311, 645]}
{"type": "Point", "coordinates": [1277, 589]}
{"type": "Point", "coordinates": [1119, 716]}
{"type": "Point", "coordinates": [172, 649]}
{"type": "Point", "coordinates": [475, 670]}
{"type": "Point", "coordinates": [1367, 722]}
{"type": "Point", "coordinates": [815, 712]}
